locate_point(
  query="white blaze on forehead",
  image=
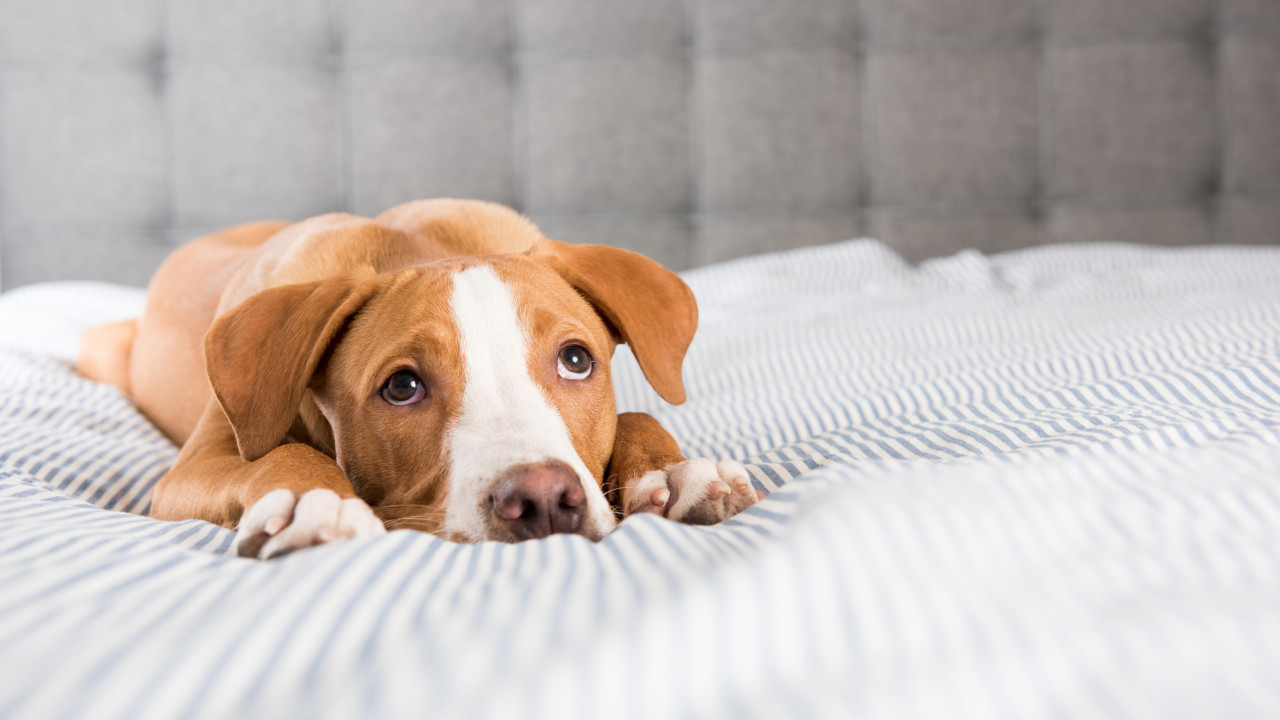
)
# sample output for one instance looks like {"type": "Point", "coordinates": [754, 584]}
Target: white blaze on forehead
{"type": "Point", "coordinates": [505, 418]}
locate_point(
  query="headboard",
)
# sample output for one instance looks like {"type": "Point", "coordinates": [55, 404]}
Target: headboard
{"type": "Point", "coordinates": [691, 130]}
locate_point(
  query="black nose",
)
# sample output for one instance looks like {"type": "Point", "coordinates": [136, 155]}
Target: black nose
{"type": "Point", "coordinates": [536, 500]}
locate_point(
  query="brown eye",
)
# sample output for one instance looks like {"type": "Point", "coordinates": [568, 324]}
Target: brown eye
{"type": "Point", "coordinates": [403, 388]}
{"type": "Point", "coordinates": [574, 362]}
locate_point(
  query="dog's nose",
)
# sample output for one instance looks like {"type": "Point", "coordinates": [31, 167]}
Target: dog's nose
{"type": "Point", "coordinates": [536, 500]}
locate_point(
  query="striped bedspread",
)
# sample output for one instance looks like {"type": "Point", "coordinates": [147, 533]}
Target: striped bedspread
{"type": "Point", "coordinates": [1040, 484]}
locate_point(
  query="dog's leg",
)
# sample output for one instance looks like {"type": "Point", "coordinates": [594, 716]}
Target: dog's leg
{"type": "Point", "coordinates": [105, 351]}
{"type": "Point", "coordinates": [648, 474]}
{"type": "Point", "coordinates": [291, 498]}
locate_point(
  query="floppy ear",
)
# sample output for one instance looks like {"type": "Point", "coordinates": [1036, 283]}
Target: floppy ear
{"type": "Point", "coordinates": [262, 354]}
{"type": "Point", "coordinates": [648, 306]}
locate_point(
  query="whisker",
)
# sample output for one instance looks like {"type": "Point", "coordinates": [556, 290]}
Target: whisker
{"type": "Point", "coordinates": [432, 519]}
{"type": "Point", "coordinates": [434, 514]}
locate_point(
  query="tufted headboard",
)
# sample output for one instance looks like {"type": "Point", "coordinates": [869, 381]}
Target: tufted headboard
{"type": "Point", "coordinates": [691, 130]}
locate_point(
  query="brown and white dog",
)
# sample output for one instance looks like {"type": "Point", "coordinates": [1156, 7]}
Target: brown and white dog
{"type": "Point", "coordinates": [442, 367]}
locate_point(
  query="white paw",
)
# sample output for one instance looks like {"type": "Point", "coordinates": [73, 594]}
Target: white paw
{"type": "Point", "coordinates": [279, 522]}
{"type": "Point", "coordinates": [696, 491]}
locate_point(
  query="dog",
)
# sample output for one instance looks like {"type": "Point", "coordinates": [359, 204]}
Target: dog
{"type": "Point", "coordinates": [442, 367]}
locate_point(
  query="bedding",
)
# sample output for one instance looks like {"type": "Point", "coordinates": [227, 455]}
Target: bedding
{"type": "Point", "coordinates": [1044, 483]}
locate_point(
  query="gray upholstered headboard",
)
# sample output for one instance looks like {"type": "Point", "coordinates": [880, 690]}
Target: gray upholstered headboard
{"type": "Point", "coordinates": [692, 130]}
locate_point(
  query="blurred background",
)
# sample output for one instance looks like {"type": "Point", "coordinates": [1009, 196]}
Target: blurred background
{"type": "Point", "coordinates": [691, 130]}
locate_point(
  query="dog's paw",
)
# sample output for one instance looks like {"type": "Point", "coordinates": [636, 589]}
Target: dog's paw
{"type": "Point", "coordinates": [280, 522]}
{"type": "Point", "coordinates": [697, 491]}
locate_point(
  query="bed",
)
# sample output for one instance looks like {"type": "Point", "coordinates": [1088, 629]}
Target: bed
{"type": "Point", "coordinates": [1040, 483]}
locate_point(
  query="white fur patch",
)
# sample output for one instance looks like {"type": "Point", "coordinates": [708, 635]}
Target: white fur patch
{"type": "Point", "coordinates": [505, 418]}
{"type": "Point", "coordinates": [293, 523]}
{"type": "Point", "coordinates": [704, 491]}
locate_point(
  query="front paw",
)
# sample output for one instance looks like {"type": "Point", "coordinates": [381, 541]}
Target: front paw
{"type": "Point", "coordinates": [696, 492]}
{"type": "Point", "coordinates": [280, 522]}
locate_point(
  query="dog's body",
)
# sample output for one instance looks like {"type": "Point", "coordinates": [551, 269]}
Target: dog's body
{"type": "Point", "coordinates": [442, 367]}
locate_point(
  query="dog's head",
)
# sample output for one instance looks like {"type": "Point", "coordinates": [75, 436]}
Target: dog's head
{"type": "Point", "coordinates": [470, 397]}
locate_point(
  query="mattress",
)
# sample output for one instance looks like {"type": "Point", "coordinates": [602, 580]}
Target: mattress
{"type": "Point", "coordinates": [1038, 484]}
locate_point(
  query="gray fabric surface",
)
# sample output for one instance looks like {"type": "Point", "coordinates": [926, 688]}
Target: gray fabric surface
{"type": "Point", "coordinates": [691, 130]}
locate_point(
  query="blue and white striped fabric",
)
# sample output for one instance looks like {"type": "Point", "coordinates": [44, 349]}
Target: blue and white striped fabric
{"type": "Point", "coordinates": [1040, 484]}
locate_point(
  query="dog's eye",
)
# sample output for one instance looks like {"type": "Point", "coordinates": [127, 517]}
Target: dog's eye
{"type": "Point", "coordinates": [574, 363]}
{"type": "Point", "coordinates": [403, 388]}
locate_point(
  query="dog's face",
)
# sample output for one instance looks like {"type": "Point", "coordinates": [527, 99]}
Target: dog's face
{"type": "Point", "coordinates": [471, 397]}
{"type": "Point", "coordinates": [451, 387]}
